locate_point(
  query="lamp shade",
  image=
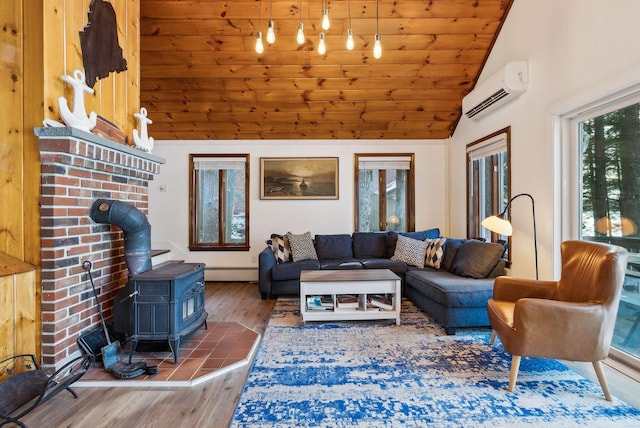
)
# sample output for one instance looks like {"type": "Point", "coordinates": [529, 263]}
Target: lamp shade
{"type": "Point", "coordinates": [498, 225]}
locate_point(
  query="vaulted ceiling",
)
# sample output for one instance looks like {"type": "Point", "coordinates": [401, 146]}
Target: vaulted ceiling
{"type": "Point", "coordinates": [201, 77]}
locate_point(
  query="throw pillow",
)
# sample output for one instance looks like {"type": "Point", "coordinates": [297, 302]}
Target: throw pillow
{"type": "Point", "coordinates": [476, 259]}
{"type": "Point", "coordinates": [280, 247]}
{"type": "Point", "coordinates": [392, 238]}
{"type": "Point", "coordinates": [411, 251]}
{"type": "Point", "coordinates": [435, 252]}
{"type": "Point", "coordinates": [450, 249]}
{"type": "Point", "coordinates": [302, 247]}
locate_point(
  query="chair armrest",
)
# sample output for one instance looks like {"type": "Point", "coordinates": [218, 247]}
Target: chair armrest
{"type": "Point", "coordinates": [512, 289]}
{"type": "Point", "coordinates": [563, 330]}
{"type": "Point", "coordinates": [266, 261]}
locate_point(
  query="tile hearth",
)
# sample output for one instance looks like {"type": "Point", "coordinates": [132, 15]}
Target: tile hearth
{"type": "Point", "coordinates": [205, 354]}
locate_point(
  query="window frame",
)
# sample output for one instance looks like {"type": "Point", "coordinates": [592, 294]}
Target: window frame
{"type": "Point", "coordinates": [568, 119]}
{"type": "Point", "coordinates": [473, 186]}
{"type": "Point", "coordinates": [410, 197]}
{"type": "Point", "coordinates": [194, 244]}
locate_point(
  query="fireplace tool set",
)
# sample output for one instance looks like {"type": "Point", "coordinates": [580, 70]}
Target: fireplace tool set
{"type": "Point", "coordinates": [99, 344]}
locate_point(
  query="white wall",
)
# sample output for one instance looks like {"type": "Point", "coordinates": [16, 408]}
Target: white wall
{"type": "Point", "coordinates": [573, 46]}
{"type": "Point", "coordinates": [169, 211]}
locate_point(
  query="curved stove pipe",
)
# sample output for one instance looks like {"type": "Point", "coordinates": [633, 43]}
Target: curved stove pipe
{"type": "Point", "coordinates": [136, 228]}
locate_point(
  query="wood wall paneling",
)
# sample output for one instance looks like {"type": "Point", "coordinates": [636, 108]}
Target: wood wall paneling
{"type": "Point", "coordinates": [40, 43]}
{"type": "Point", "coordinates": [18, 307]}
{"type": "Point", "coordinates": [11, 139]}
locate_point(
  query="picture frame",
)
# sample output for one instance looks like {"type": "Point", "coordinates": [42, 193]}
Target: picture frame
{"type": "Point", "coordinates": [299, 178]}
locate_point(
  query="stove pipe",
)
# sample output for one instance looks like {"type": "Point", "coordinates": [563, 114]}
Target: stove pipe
{"type": "Point", "coordinates": [136, 228]}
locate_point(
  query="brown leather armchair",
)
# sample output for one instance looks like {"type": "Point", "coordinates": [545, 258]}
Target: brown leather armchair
{"type": "Point", "coordinates": [571, 319]}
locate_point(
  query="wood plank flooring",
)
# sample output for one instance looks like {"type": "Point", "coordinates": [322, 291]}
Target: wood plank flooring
{"type": "Point", "coordinates": [212, 403]}
{"type": "Point", "coordinates": [208, 405]}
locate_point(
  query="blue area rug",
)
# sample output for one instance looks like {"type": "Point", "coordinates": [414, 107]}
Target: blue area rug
{"type": "Point", "coordinates": [377, 374]}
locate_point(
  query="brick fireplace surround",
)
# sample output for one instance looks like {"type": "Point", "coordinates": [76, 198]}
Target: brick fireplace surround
{"type": "Point", "coordinates": [78, 167]}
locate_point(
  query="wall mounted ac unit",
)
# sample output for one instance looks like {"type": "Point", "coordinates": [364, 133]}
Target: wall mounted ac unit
{"type": "Point", "coordinates": [507, 84]}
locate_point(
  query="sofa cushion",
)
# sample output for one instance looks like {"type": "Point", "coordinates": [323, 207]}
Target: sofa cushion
{"type": "Point", "coordinates": [396, 266]}
{"type": "Point", "coordinates": [280, 247]}
{"type": "Point", "coordinates": [392, 238]}
{"type": "Point", "coordinates": [476, 259]}
{"type": "Point", "coordinates": [449, 290]}
{"type": "Point", "coordinates": [287, 271]}
{"type": "Point", "coordinates": [340, 264]}
{"type": "Point", "coordinates": [333, 246]}
{"type": "Point", "coordinates": [302, 247]}
{"type": "Point", "coordinates": [450, 249]}
{"type": "Point", "coordinates": [435, 252]}
{"type": "Point", "coordinates": [369, 245]}
{"type": "Point", "coordinates": [411, 251]}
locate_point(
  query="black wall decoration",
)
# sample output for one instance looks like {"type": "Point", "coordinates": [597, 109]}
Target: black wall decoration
{"type": "Point", "coordinates": [101, 53]}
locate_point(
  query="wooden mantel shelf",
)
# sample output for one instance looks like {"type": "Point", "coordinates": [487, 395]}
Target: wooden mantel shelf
{"type": "Point", "coordinates": [12, 266]}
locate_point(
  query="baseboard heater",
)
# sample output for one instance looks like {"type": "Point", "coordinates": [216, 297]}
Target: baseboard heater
{"type": "Point", "coordinates": [236, 273]}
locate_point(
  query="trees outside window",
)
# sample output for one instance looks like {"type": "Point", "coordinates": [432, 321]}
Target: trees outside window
{"type": "Point", "coordinates": [384, 192]}
{"type": "Point", "coordinates": [608, 147]}
{"type": "Point", "coordinates": [488, 181]}
{"type": "Point", "coordinates": [219, 202]}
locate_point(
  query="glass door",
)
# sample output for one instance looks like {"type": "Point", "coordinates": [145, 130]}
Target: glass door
{"type": "Point", "coordinates": [609, 147]}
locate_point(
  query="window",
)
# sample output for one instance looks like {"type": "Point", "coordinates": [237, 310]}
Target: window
{"type": "Point", "coordinates": [607, 149]}
{"type": "Point", "coordinates": [384, 192]}
{"type": "Point", "coordinates": [488, 184]}
{"type": "Point", "coordinates": [219, 202]}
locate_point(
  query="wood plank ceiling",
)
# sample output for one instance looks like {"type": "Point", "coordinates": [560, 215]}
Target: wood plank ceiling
{"type": "Point", "coordinates": [202, 79]}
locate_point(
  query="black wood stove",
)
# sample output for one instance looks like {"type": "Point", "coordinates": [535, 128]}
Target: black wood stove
{"type": "Point", "coordinates": [165, 303]}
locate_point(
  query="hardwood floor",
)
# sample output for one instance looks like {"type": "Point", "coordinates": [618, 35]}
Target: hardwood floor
{"type": "Point", "coordinates": [212, 403]}
{"type": "Point", "coordinates": [208, 405]}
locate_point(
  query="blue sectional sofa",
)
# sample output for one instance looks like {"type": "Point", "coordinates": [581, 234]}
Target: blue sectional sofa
{"type": "Point", "coordinates": [455, 293]}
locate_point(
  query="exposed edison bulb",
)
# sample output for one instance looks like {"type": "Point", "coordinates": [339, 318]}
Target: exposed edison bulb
{"type": "Point", "coordinates": [259, 45]}
{"type": "Point", "coordinates": [377, 47]}
{"type": "Point", "coordinates": [322, 48]}
{"type": "Point", "coordinates": [350, 42]}
{"type": "Point", "coordinates": [300, 35]}
{"type": "Point", "coordinates": [326, 24]}
{"type": "Point", "coordinates": [271, 33]}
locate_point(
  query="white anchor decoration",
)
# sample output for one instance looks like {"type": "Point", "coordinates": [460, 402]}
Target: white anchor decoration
{"type": "Point", "coordinates": [143, 141]}
{"type": "Point", "coordinates": [78, 118]}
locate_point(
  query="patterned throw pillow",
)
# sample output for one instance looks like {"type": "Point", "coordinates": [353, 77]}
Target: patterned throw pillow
{"type": "Point", "coordinates": [302, 247]}
{"type": "Point", "coordinates": [435, 252]}
{"type": "Point", "coordinates": [280, 247]}
{"type": "Point", "coordinates": [411, 251]}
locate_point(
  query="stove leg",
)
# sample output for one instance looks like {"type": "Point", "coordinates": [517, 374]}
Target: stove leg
{"type": "Point", "coordinates": [175, 345]}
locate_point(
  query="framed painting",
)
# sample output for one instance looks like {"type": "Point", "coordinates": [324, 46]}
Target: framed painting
{"type": "Point", "coordinates": [298, 178]}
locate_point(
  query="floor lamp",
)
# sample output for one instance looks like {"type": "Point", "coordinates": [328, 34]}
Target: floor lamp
{"type": "Point", "coordinates": [500, 225]}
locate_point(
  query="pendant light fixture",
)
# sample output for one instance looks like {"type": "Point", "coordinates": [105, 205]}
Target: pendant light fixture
{"type": "Point", "coordinates": [326, 24]}
{"type": "Point", "coordinates": [377, 46]}
{"type": "Point", "coordinates": [350, 42]}
{"type": "Point", "coordinates": [271, 31]}
{"type": "Point", "coordinates": [300, 34]}
{"type": "Point", "coordinates": [322, 48]}
{"type": "Point", "coordinates": [259, 45]}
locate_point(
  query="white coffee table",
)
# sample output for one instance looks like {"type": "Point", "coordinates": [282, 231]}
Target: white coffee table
{"type": "Point", "coordinates": [360, 282]}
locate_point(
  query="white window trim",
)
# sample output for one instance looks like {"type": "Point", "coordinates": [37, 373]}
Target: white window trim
{"type": "Point", "coordinates": [615, 92]}
{"type": "Point", "coordinates": [565, 162]}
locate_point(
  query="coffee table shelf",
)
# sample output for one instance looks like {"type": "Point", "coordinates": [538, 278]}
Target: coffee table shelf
{"type": "Point", "coordinates": [362, 283]}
